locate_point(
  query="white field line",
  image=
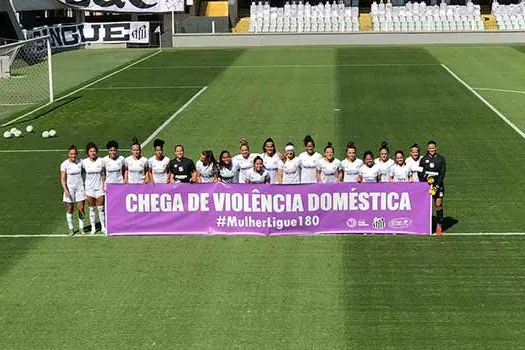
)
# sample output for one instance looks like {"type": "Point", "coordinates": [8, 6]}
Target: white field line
{"type": "Point", "coordinates": [83, 88]}
{"type": "Point", "coordinates": [173, 116]}
{"type": "Point", "coordinates": [34, 150]}
{"type": "Point", "coordinates": [50, 236]}
{"type": "Point", "coordinates": [15, 104]}
{"type": "Point", "coordinates": [293, 66]}
{"type": "Point", "coordinates": [236, 235]}
{"type": "Point", "coordinates": [487, 103]}
{"type": "Point", "coordinates": [144, 87]}
{"type": "Point", "coordinates": [501, 90]}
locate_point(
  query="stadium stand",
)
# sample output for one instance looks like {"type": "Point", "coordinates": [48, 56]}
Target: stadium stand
{"type": "Point", "coordinates": [509, 17]}
{"type": "Point", "coordinates": [299, 17]}
{"type": "Point", "coordinates": [418, 17]}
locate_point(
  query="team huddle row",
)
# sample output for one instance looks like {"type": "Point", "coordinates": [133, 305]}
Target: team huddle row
{"type": "Point", "coordinates": [86, 179]}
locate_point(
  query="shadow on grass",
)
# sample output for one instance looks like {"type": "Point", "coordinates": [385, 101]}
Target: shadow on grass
{"type": "Point", "coordinates": [14, 250]}
{"type": "Point", "coordinates": [448, 223]}
{"type": "Point", "coordinates": [52, 108]}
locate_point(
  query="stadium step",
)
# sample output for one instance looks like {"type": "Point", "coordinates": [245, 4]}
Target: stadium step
{"type": "Point", "coordinates": [489, 21]}
{"type": "Point", "coordinates": [365, 22]}
{"type": "Point", "coordinates": [242, 26]}
{"type": "Point", "coordinates": [214, 9]}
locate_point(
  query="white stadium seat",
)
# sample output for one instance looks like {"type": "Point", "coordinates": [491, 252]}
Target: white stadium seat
{"type": "Point", "coordinates": [418, 17]}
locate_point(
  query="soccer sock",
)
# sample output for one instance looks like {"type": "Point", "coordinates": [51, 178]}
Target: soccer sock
{"type": "Point", "coordinates": [102, 217]}
{"type": "Point", "coordinates": [69, 218]}
{"type": "Point", "coordinates": [439, 215]}
{"type": "Point", "coordinates": [92, 217]}
{"type": "Point", "coordinates": [80, 223]}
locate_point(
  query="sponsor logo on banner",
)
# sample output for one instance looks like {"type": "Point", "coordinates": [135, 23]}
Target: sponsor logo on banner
{"type": "Point", "coordinates": [123, 5]}
{"type": "Point", "coordinates": [65, 36]}
{"type": "Point", "coordinates": [378, 223]}
{"type": "Point", "coordinates": [400, 223]}
{"type": "Point", "coordinates": [352, 223]}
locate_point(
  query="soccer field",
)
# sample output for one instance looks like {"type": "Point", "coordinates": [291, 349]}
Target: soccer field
{"type": "Point", "coordinates": [287, 292]}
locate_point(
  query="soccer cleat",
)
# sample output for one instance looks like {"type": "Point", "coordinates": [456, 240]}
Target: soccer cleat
{"type": "Point", "coordinates": [70, 232]}
{"type": "Point", "coordinates": [93, 231]}
{"type": "Point", "coordinates": [81, 231]}
{"type": "Point", "coordinates": [439, 230]}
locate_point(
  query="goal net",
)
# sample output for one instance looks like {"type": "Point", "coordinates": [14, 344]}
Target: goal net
{"type": "Point", "coordinates": [26, 73]}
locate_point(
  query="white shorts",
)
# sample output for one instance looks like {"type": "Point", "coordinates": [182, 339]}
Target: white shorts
{"type": "Point", "coordinates": [77, 195]}
{"type": "Point", "coordinates": [94, 193]}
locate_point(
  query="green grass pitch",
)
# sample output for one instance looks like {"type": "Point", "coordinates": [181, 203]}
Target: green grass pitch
{"type": "Point", "coordinates": [282, 292]}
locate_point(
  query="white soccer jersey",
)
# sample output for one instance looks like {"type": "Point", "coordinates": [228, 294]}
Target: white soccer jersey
{"type": "Point", "coordinates": [228, 175]}
{"type": "Point", "coordinates": [369, 174]}
{"type": "Point", "coordinates": [207, 173]}
{"type": "Point", "coordinates": [256, 177]}
{"type": "Point", "coordinates": [291, 171]}
{"type": "Point", "coordinates": [400, 173]}
{"type": "Point", "coordinates": [414, 168]}
{"type": "Point", "coordinates": [329, 170]}
{"type": "Point", "coordinates": [73, 174]}
{"type": "Point", "coordinates": [309, 167]}
{"type": "Point", "coordinates": [93, 170]}
{"type": "Point", "coordinates": [351, 169]}
{"type": "Point", "coordinates": [159, 169]}
{"type": "Point", "coordinates": [136, 169]}
{"type": "Point", "coordinates": [244, 165]}
{"type": "Point", "coordinates": [384, 168]}
{"type": "Point", "coordinates": [114, 169]}
{"type": "Point", "coordinates": [271, 164]}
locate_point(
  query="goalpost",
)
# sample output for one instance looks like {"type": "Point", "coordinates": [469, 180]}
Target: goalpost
{"type": "Point", "coordinates": [26, 72]}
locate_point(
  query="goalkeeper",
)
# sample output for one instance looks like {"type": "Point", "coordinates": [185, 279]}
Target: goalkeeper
{"type": "Point", "coordinates": [432, 169]}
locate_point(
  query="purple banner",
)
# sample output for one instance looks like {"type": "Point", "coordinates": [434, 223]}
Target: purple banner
{"type": "Point", "coordinates": [268, 209]}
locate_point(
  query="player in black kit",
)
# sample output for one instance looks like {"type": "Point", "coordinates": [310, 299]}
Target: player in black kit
{"type": "Point", "coordinates": [181, 169]}
{"type": "Point", "coordinates": [433, 169]}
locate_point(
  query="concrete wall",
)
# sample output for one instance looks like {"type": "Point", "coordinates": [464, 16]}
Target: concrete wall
{"type": "Point", "coordinates": [368, 38]}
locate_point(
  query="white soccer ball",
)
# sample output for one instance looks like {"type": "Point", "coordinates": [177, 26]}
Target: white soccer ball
{"type": "Point", "coordinates": [29, 128]}
{"type": "Point", "coordinates": [12, 131]}
{"type": "Point", "coordinates": [7, 134]}
{"type": "Point", "coordinates": [52, 133]}
{"type": "Point", "coordinates": [18, 133]}
{"type": "Point", "coordinates": [45, 134]}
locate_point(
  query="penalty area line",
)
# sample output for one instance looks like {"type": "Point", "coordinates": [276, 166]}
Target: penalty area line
{"type": "Point", "coordinates": [82, 88]}
{"type": "Point", "coordinates": [173, 116]}
{"type": "Point", "coordinates": [484, 234]}
{"type": "Point", "coordinates": [31, 150]}
{"type": "Point", "coordinates": [485, 102]}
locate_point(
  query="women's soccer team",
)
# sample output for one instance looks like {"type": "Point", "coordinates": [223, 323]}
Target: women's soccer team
{"type": "Point", "coordinates": [85, 180]}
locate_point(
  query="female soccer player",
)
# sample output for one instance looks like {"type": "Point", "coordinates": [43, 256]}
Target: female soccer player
{"type": "Point", "coordinates": [328, 167]}
{"type": "Point", "coordinates": [271, 159]}
{"type": "Point", "coordinates": [182, 169]}
{"type": "Point", "coordinates": [113, 165]}
{"type": "Point", "coordinates": [244, 160]}
{"type": "Point", "coordinates": [136, 165]}
{"type": "Point", "coordinates": [93, 167]}
{"type": "Point", "coordinates": [413, 162]}
{"type": "Point", "coordinates": [227, 171]}
{"type": "Point", "coordinates": [207, 170]}
{"type": "Point", "coordinates": [73, 187]}
{"type": "Point", "coordinates": [257, 174]}
{"type": "Point", "coordinates": [350, 166]}
{"type": "Point", "coordinates": [369, 171]}
{"type": "Point", "coordinates": [434, 168]}
{"type": "Point", "coordinates": [384, 162]}
{"type": "Point", "coordinates": [309, 159]}
{"type": "Point", "coordinates": [158, 164]}
{"type": "Point", "coordinates": [289, 169]}
{"type": "Point", "coordinates": [400, 171]}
